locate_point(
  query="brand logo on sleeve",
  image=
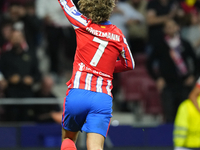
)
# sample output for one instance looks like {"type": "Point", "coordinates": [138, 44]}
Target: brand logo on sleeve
{"type": "Point", "coordinates": [75, 11]}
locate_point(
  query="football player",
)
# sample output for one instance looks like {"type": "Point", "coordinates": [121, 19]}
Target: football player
{"type": "Point", "coordinates": [88, 103]}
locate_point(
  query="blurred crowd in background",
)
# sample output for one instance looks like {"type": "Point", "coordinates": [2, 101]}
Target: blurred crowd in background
{"type": "Point", "coordinates": [163, 35]}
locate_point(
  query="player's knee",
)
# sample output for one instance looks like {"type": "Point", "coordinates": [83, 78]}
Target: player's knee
{"type": "Point", "coordinates": [68, 144]}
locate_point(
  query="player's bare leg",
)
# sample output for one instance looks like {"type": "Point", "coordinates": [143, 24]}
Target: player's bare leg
{"type": "Point", "coordinates": [95, 141]}
{"type": "Point", "coordinates": [68, 140]}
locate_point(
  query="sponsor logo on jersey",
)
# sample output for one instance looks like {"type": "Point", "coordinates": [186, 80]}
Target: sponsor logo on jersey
{"type": "Point", "coordinates": [107, 35]}
{"type": "Point", "coordinates": [81, 66]}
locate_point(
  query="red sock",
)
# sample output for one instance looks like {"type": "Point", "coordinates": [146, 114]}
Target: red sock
{"type": "Point", "coordinates": [68, 144]}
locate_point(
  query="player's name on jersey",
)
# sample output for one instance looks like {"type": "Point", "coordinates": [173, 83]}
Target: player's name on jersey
{"type": "Point", "coordinates": [108, 35]}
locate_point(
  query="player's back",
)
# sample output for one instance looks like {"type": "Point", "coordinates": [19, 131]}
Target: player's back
{"type": "Point", "coordinates": [98, 47]}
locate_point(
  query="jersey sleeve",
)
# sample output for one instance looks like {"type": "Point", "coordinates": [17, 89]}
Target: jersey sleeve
{"type": "Point", "coordinates": [126, 61]}
{"type": "Point", "coordinates": [73, 15]}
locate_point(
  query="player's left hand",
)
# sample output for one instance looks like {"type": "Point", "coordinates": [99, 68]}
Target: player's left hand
{"type": "Point", "coordinates": [56, 116]}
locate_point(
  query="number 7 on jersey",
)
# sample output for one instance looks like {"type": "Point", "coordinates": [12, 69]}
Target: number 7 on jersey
{"type": "Point", "coordinates": [97, 56]}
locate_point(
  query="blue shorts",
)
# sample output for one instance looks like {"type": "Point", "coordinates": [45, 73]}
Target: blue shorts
{"type": "Point", "coordinates": [87, 111]}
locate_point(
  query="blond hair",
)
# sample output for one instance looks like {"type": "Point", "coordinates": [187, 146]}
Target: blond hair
{"type": "Point", "coordinates": [97, 10]}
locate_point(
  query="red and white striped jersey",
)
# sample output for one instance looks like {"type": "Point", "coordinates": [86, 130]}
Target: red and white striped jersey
{"type": "Point", "coordinates": [98, 48]}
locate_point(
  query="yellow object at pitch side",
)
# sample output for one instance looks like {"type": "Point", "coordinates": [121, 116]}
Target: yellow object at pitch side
{"type": "Point", "coordinates": [187, 126]}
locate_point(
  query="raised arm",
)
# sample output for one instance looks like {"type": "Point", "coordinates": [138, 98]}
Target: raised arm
{"type": "Point", "coordinates": [126, 61]}
{"type": "Point", "coordinates": [73, 15]}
